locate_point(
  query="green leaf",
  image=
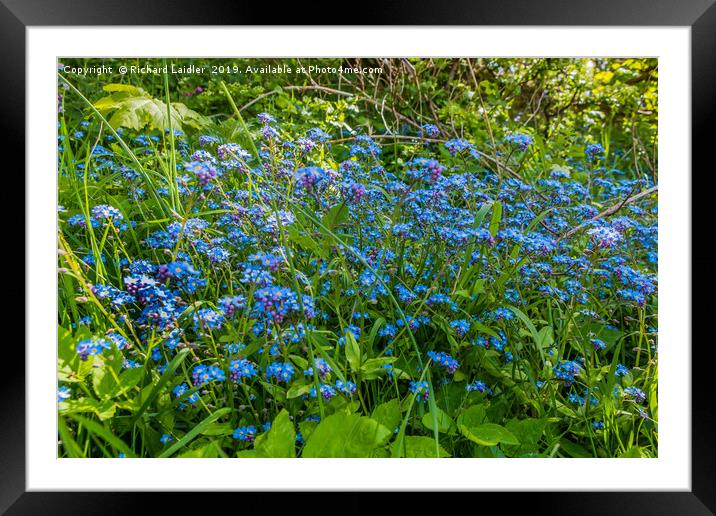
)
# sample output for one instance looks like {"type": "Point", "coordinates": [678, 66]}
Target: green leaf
{"type": "Point", "coordinates": [297, 389]}
{"type": "Point", "coordinates": [528, 322]}
{"type": "Point", "coordinates": [211, 450]}
{"type": "Point", "coordinates": [346, 435]}
{"type": "Point", "coordinates": [419, 447]}
{"type": "Point", "coordinates": [473, 415]}
{"type": "Point", "coordinates": [375, 367]}
{"type": "Point", "coordinates": [67, 441]}
{"type": "Point", "coordinates": [66, 343]}
{"type": "Point", "coordinates": [388, 414]}
{"type": "Point", "coordinates": [445, 423]}
{"type": "Point", "coordinates": [528, 432]}
{"type": "Point", "coordinates": [103, 382]}
{"type": "Point", "coordinates": [278, 442]}
{"type": "Point", "coordinates": [168, 375]}
{"type": "Point", "coordinates": [274, 390]}
{"type": "Point", "coordinates": [489, 434]}
{"type": "Point", "coordinates": [539, 338]}
{"type": "Point", "coordinates": [496, 218]}
{"type": "Point", "coordinates": [379, 322]}
{"type": "Point", "coordinates": [101, 432]}
{"type": "Point", "coordinates": [353, 354]}
{"type": "Point", "coordinates": [123, 87]}
{"type": "Point", "coordinates": [573, 449]}
{"type": "Point", "coordinates": [69, 366]}
{"type": "Point", "coordinates": [335, 216]}
{"type": "Point", "coordinates": [306, 428]}
{"type": "Point", "coordinates": [305, 241]}
{"type": "Point", "coordinates": [299, 361]}
{"type": "Point", "coordinates": [134, 108]}
{"type": "Point", "coordinates": [191, 434]}
{"type": "Point", "coordinates": [220, 429]}
{"type": "Point", "coordinates": [546, 337]}
{"type": "Point", "coordinates": [481, 213]}
{"type": "Point", "coordinates": [104, 409]}
{"type": "Point", "coordinates": [632, 453]}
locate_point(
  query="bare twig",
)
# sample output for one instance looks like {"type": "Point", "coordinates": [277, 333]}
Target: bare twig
{"type": "Point", "coordinates": [435, 140]}
{"type": "Point", "coordinates": [610, 211]}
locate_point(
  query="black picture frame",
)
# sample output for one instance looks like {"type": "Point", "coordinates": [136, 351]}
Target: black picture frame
{"type": "Point", "coordinates": [700, 15]}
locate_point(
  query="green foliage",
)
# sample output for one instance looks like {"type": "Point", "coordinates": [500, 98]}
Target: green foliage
{"type": "Point", "coordinates": [346, 435]}
{"type": "Point", "coordinates": [278, 442]}
{"type": "Point", "coordinates": [134, 108]}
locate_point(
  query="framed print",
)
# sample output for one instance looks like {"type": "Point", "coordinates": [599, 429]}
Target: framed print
{"type": "Point", "coordinates": [361, 258]}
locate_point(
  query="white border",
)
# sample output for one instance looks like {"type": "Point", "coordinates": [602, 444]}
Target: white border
{"type": "Point", "coordinates": [672, 470]}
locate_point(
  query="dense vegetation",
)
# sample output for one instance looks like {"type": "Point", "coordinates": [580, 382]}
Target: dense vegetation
{"type": "Point", "coordinates": [443, 257]}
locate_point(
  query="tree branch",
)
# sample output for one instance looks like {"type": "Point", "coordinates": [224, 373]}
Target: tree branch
{"type": "Point", "coordinates": [610, 211]}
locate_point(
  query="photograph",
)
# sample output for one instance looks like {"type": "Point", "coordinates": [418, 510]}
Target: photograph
{"type": "Point", "coordinates": [357, 257]}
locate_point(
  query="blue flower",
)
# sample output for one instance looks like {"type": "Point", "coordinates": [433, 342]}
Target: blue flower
{"type": "Point", "coordinates": [245, 433]}
{"type": "Point", "coordinates": [522, 141]}
{"type": "Point", "coordinates": [461, 326]}
{"type": "Point", "coordinates": [421, 389]}
{"type": "Point", "coordinates": [202, 374]}
{"type": "Point", "coordinates": [63, 393]}
{"type": "Point", "coordinates": [593, 151]}
{"type": "Point", "coordinates": [635, 394]}
{"type": "Point", "coordinates": [241, 368]}
{"type": "Point", "coordinates": [280, 371]}
{"type": "Point", "coordinates": [566, 370]}
{"type": "Point", "coordinates": [478, 386]}
{"type": "Point", "coordinates": [92, 347]}
{"type": "Point", "coordinates": [346, 387]}
{"type": "Point", "coordinates": [444, 360]}
{"type": "Point", "coordinates": [621, 370]}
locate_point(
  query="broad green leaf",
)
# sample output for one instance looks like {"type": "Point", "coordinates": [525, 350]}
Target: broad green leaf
{"type": "Point", "coordinates": [489, 434]}
{"type": "Point", "coordinates": [632, 453]}
{"type": "Point", "coordinates": [102, 381]}
{"type": "Point", "coordinates": [474, 415]}
{"type": "Point", "coordinates": [69, 366]}
{"type": "Point", "coordinates": [419, 447]}
{"type": "Point", "coordinates": [375, 367]}
{"type": "Point", "coordinates": [306, 242]}
{"type": "Point", "coordinates": [335, 216]}
{"type": "Point", "coordinates": [134, 108]}
{"type": "Point", "coordinates": [306, 428]}
{"type": "Point", "coordinates": [123, 87]}
{"type": "Point", "coordinates": [220, 429]}
{"type": "Point", "coordinates": [388, 414]}
{"type": "Point", "coordinates": [528, 432]}
{"type": "Point", "coordinates": [211, 450]}
{"type": "Point", "coordinates": [346, 435]}
{"type": "Point", "coordinates": [279, 441]}
{"type": "Point", "coordinates": [445, 423]}
{"type": "Point", "coordinates": [297, 389]}
{"type": "Point", "coordinates": [104, 409]}
{"type": "Point", "coordinates": [573, 449]}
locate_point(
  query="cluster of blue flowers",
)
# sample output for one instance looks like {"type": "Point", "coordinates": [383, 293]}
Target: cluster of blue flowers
{"type": "Point", "coordinates": [203, 374]}
{"type": "Point", "coordinates": [443, 359]}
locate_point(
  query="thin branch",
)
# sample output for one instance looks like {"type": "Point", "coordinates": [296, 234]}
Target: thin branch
{"type": "Point", "coordinates": [610, 211]}
{"type": "Point", "coordinates": [440, 140]}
